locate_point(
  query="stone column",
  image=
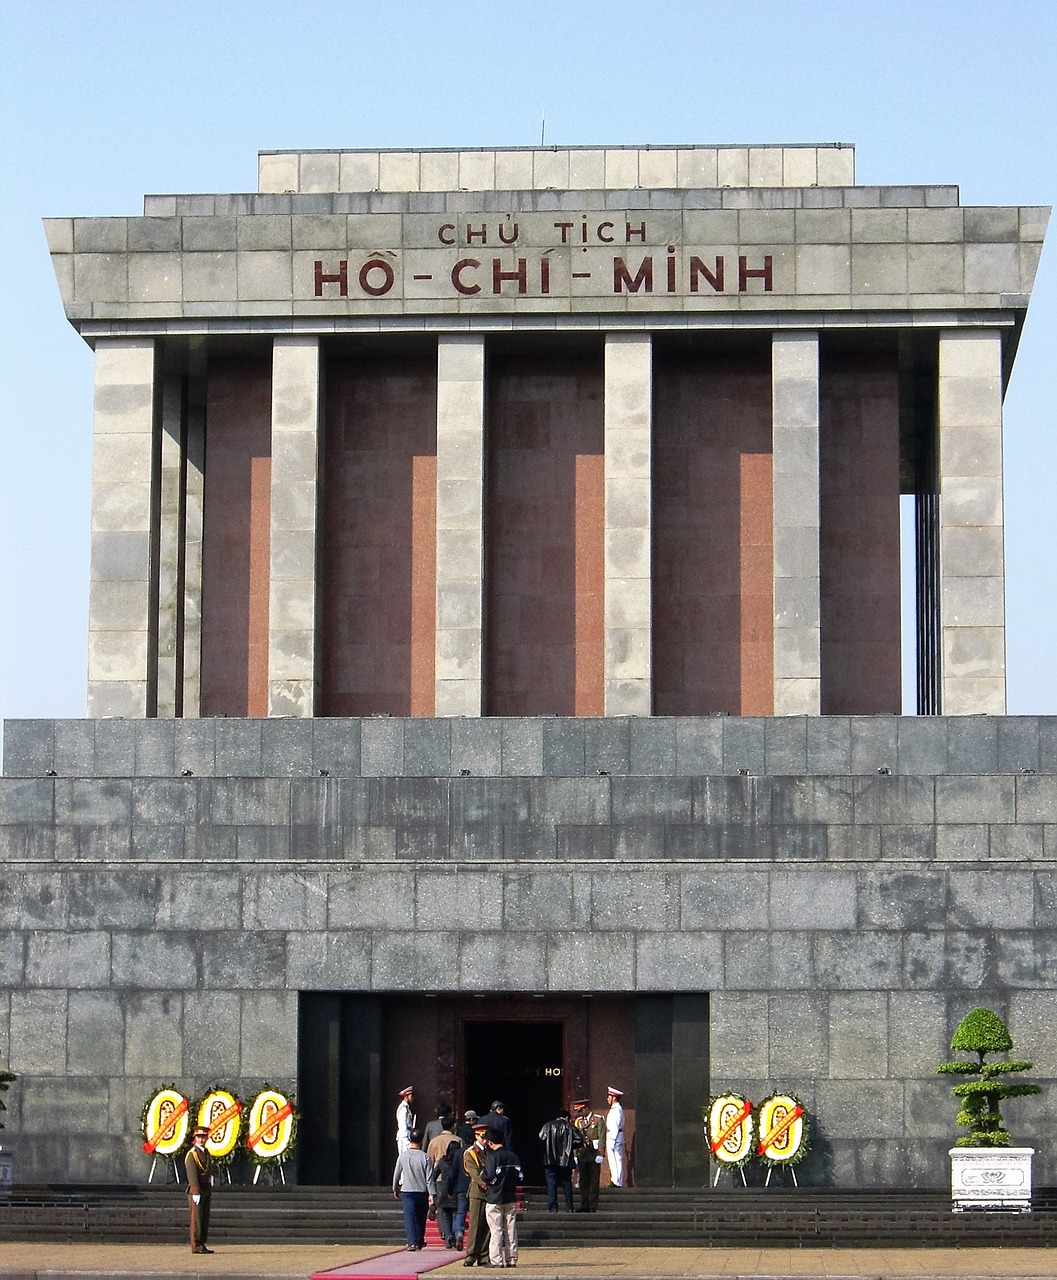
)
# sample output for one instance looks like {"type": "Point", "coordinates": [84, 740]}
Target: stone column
{"type": "Point", "coordinates": [296, 400]}
{"type": "Point", "coordinates": [797, 595]}
{"type": "Point", "coordinates": [194, 506]}
{"type": "Point", "coordinates": [170, 545]}
{"type": "Point", "coordinates": [460, 525]}
{"type": "Point", "coordinates": [972, 559]}
{"type": "Point", "coordinates": [122, 652]}
{"type": "Point", "coordinates": [628, 519]}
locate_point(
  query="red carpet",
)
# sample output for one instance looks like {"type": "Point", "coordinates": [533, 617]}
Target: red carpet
{"type": "Point", "coordinates": [397, 1264]}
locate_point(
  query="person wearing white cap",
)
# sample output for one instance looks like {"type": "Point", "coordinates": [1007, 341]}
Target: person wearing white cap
{"type": "Point", "coordinates": [405, 1119]}
{"type": "Point", "coordinates": [615, 1136]}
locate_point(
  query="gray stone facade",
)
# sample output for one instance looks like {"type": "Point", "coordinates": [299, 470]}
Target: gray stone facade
{"type": "Point", "coordinates": [842, 889]}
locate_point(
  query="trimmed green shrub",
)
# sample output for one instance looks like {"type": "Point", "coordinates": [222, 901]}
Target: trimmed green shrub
{"type": "Point", "coordinates": [983, 1032]}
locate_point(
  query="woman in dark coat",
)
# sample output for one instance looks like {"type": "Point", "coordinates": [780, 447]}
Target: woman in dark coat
{"type": "Point", "coordinates": [452, 1187]}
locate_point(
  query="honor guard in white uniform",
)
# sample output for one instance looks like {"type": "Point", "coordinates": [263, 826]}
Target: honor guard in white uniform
{"type": "Point", "coordinates": [405, 1119]}
{"type": "Point", "coordinates": [615, 1136]}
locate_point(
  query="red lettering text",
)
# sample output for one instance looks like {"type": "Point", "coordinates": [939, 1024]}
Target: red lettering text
{"type": "Point", "coordinates": [714, 278]}
{"type": "Point", "coordinates": [457, 272]}
{"type": "Point", "coordinates": [341, 278]}
{"type": "Point", "coordinates": [760, 273]}
{"type": "Point", "coordinates": [499, 275]}
{"type": "Point", "coordinates": [622, 276]}
{"type": "Point", "coordinates": [370, 268]}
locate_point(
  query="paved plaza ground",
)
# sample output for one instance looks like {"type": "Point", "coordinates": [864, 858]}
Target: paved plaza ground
{"type": "Point", "coordinates": [32, 1261]}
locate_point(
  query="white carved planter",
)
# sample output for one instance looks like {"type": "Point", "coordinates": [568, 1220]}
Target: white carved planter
{"type": "Point", "coordinates": [991, 1178]}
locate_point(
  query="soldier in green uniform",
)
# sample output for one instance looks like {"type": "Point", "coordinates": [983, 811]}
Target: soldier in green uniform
{"type": "Point", "coordinates": [589, 1155]}
{"type": "Point", "coordinates": [199, 1166]}
{"type": "Point", "coordinates": [477, 1233]}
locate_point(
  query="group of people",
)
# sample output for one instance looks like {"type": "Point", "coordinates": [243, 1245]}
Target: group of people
{"type": "Point", "coordinates": [467, 1173]}
{"type": "Point", "coordinates": [584, 1140]}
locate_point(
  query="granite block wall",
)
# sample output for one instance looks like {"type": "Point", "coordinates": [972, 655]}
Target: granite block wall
{"type": "Point", "coordinates": [843, 890]}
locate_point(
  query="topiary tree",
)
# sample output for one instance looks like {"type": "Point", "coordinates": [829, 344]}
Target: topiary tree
{"type": "Point", "coordinates": [983, 1032]}
{"type": "Point", "coordinates": [6, 1080]}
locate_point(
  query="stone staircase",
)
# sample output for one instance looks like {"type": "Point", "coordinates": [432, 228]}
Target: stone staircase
{"type": "Point", "coordinates": [778, 1217]}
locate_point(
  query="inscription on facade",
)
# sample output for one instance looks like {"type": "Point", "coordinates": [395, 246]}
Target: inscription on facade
{"type": "Point", "coordinates": [568, 257]}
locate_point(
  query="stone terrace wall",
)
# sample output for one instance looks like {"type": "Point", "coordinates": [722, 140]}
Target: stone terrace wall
{"type": "Point", "coordinates": [157, 927]}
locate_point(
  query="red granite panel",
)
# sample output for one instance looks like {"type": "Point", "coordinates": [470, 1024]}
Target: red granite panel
{"type": "Point", "coordinates": [545, 535]}
{"type": "Point", "coordinates": [379, 539]}
{"type": "Point", "coordinates": [235, 538]}
{"type": "Point", "coordinates": [859, 466]}
{"type": "Point", "coordinates": [423, 584]}
{"type": "Point", "coordinates": [611, 1032]}
{"type": "Point", "coordinates": [756, 520]}
{"type": "Point", "coordinates": [590, 575]}
{"type": "Point", "coordinates": [712, 535]}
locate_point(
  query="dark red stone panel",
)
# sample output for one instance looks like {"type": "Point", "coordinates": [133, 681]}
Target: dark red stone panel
{"type": "Point", "coordinates": [379, 536]}
{"type": "Point", "coordinates": [713, 572]}
{"type": "Point", "coordinates": [859, 466]}
{"type": "Point", "coordinates": [545, 530]}
{"type": "Point", "coordinates": [235, 538]}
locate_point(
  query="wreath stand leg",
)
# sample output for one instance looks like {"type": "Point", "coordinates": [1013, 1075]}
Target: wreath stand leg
{"type": "Point", "coordinates": [739, 1168]}
{"type": "Point", "coordinates": [278, 1164]}
{"type": "Point", "coordinates": [792, 1174]}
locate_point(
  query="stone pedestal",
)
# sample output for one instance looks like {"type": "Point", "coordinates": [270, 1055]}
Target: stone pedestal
{"type": "Point", "coordinates": [991, 1178]}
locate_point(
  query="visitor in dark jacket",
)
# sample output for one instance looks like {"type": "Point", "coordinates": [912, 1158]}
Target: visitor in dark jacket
{"type": "Point", "coordinates": [560, 1141]}
{"type": "Point", "coordinates": [501, 1177]}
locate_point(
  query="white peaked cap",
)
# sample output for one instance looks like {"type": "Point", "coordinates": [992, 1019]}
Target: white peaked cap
{"type": "Point", "coordinates": [617, 1093]}
{"type": "Point", "coordinates": [404, 1092]}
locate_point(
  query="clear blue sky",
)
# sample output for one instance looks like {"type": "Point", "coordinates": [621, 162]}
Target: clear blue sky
{"type": "Point", "coordinates": [103, 102]}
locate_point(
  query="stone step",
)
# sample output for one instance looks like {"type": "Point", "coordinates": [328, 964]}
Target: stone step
{"type": "Point", "coordinates": [778, 1217]}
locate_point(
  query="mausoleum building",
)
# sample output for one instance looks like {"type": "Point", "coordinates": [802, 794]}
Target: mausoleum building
{"type": "Point", "coordinates": [495, 661]}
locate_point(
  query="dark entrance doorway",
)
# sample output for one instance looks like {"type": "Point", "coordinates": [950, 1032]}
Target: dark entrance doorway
{"type": "Point", "coordinates": [522, 1064]}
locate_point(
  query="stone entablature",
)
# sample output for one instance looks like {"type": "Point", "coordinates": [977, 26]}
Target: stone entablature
{"type": "Point", "coordinates": [507, 256]}
{"type": "Point", "coordinates": [557, 168]}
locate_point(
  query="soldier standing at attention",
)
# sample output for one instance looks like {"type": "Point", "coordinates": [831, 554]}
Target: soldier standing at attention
{"type": "Point", "coordinates": [589, 1155]}
{"type": "Point", "coordinates": [615, 1136]}
{"type": "Point", "coordinates": [477, 1233]}
{"type": "Point", "coordinates": [405, 1119]}
{"type": "Point", "coordinates": [199, 1166]}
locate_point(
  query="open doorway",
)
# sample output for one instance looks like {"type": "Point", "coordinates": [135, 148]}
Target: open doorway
{"type": "Point", "coordinates": [521, 1064]}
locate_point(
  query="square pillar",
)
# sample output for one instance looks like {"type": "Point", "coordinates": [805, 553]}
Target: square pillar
{"type": "Point", "coordinates": [971, 552]}
{"type": "Point", "coordinates": [628, 525]}
{"type": "Point", "coordinates": [296, 401]}
{"type": "Point", "coordinates": [170, 545]}
{"type": "Point", "coordinates": [122, 636]}
{"type": "Point", "coordinates": [194, 508]}
{"type": "Point", "coordinates": [797, 591]}
{"type": "Point", "coordinates": [460, 525]}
